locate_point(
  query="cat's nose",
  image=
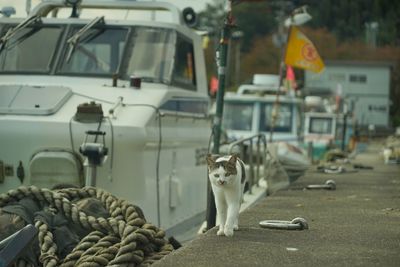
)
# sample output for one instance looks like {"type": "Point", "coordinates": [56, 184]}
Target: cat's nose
{"type": "Point", "coordinates": [216, 175]}
{"type": "Point", "coordinates": [221, 182]}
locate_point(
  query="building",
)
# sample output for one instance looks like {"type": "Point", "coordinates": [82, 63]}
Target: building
{"type": "Point", "coordinates": [364, 87]}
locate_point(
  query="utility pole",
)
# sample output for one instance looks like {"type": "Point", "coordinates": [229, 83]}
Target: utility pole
{"type": "Point", "coordinates": [222, 69]}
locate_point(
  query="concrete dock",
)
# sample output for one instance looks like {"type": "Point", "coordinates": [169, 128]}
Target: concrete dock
{"type": "Point", "coordinates": [358, 224]}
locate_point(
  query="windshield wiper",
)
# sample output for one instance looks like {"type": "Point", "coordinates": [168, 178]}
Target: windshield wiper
{"type": "Point", "coordinates": [74, 39]}
{"type": "Point", "coordinates": [13, 31]}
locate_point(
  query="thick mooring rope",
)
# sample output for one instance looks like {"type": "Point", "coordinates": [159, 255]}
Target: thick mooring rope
{"type": "Point", "coordinates": [123, 239]}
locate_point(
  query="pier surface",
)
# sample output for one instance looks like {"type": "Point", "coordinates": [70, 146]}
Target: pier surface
{"type": "Point", "coordinates": [358, 224]}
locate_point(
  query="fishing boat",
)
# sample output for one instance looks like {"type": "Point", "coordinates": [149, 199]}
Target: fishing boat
{"type": "Point", "coordinates": [324, 129]}
{"type": "Point", "coordinates": [261, 108]}
{"type": "Point", "coordinates": [251, 109]}
{"type": "Point", "coordinates": [320, 126]}
{"type": "Point", "coordinates": [115, 103]}
{"type": "Point", "coordinates": [320, 131]}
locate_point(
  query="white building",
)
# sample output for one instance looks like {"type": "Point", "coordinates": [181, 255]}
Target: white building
{"type": "Point", "coordinates": [365, 86]}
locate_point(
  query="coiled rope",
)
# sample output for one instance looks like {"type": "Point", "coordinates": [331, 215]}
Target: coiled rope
{"type": "Point", "coordinates": [123, 239]}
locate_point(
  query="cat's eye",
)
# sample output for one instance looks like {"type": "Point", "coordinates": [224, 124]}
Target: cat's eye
{"type": "Point", "coordinates": [216, 175]}
{"type": "Point", "coordinates": [227, 174]}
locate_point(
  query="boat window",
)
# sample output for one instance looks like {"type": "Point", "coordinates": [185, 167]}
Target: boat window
{"type": "Point", "coordinates": [184, 72]}
{"type": "Point", "coordinates": [320, 125]}
{"type": "Point", "coordinates": [237, 116]}
{"type": "Point", "coordinates": [24, 52]}
{"type": "Point", "coordinates": [187, 106]}
{"type": "Point", "coordinates": [151, 54]}
{"type": "Point", "coordinates": [283, 122]}
{"type": "Point", "coordinates": [99, 51]}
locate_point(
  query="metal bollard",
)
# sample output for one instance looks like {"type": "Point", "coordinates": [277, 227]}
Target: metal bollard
{"type": "Point", "coordinates": [329, 185]}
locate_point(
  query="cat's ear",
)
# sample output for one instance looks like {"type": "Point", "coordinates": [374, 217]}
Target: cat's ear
{"type": "Point", "coordinates": [237, 155]}
{"type": "Point", "coordinates": [210, 160]}
{"type": "Point", "coordinates": [233, 159]}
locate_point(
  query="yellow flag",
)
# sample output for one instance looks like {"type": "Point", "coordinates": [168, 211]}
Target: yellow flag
{"type": "Point", "coordinates": [301, 53]}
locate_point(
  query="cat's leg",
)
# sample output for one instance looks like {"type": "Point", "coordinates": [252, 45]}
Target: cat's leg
{"type": "Point", "coordinates": [232, 218]}
{"type": "Point", "coordinates": [221, 207]}
{"type": "Point", "coordinates": [236, 224]}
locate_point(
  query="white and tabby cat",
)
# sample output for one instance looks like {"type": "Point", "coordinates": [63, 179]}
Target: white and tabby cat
{"type": "Point", "coordinates": [227, 176]}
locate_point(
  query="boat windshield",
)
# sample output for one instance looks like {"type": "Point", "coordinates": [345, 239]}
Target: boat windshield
{"type": "Point", "coordinates": [151, 54]}
{"type": "Point", "coordinates": [237, 116]}
{"type": "Point", "coordinates": [283, 122]}
{"type": "Point", "coordinates": [24, 52]}
{"type": "Point", "coordinates": [320, 125]}
{"type": "Point", "coordinates": [98, 52]}
{"type": "Point", "coordinates": [148, 52]}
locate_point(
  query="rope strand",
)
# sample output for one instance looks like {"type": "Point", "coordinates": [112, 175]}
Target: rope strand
{"type": "Point", "coordinates": [123, 239]}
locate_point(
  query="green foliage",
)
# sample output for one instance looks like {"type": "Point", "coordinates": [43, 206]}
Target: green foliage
{"type": "Point", "coordinates": [212, 18]}
{"type": "Point", "coordinates": [347, 19]}
{"type": "Point", "coordinates": [254, 20]}
{"type": "Point", "coordinates": [264, 57]}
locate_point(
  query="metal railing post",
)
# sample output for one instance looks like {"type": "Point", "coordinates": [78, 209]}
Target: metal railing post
{"type": "Point", "coordinates": [260, 157]}
{"type": "Point", "coordinates": [251, 178]}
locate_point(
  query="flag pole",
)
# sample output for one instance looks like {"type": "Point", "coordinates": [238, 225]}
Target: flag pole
{"type": "Point", "coordinates": [282, 68]}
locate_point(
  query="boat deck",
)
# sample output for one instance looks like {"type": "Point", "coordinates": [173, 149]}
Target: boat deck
{"type": "Point", "coordinates": [358, 224]}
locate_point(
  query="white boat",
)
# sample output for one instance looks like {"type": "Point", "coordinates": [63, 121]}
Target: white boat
{"type": "Point", "coordinates": [139, 84]}
{"type": "Point", "coordinates": [250, 111]}
{"type": "Point", "coordinates": [320, 130]}
{"type": "Point", "coordinates": [291, 159]}
{"type": "Point", "coordinates": [324, 127]}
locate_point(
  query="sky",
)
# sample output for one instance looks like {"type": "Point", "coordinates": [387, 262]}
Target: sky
{"type": "Point", "coordinates": [20, 5]}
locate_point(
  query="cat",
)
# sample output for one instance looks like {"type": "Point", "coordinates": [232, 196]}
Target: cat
{"type": "Point", "coordinates": [227, 177]}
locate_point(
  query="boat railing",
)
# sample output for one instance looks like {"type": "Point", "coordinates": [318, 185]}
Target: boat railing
{"type": "Point", "coordinates": [253, 150]}
{"type": "Point", "coordinates": [186, 115]}
{"type": "Point", "coordinates": [45, 7]}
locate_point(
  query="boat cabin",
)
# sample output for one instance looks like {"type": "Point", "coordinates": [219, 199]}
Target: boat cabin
{"type": "Point", "coordinates": [253, 108]}
{"type": "Point", "coordinates": [129, 90]}
{"type": "Point", "coordinates": [320, 130]}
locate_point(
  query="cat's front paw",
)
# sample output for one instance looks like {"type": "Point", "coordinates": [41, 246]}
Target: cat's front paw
{"type": "Point", "coordinates": [235, 227]}
{"type": "Point", "coordinates": [228, 231]}
{"type": "Point", "coordinates": [220, 232]}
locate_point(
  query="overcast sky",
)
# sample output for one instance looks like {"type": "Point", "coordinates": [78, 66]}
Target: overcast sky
{"type": "Point", "coordinates": [20, 5]}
